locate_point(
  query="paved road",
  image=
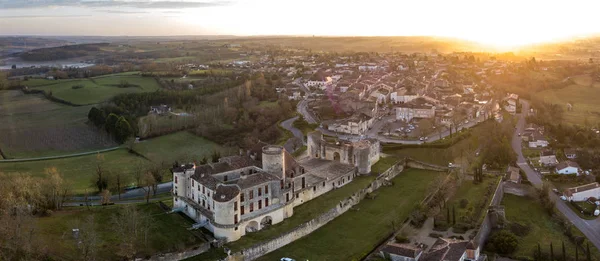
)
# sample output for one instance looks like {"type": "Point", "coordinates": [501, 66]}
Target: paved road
{"type": "Point", "coordinates": [288, 125]}
{"type": "Point", "coordinates": [130, 194]}
{"type": "Point", "coordinates": [591, 228]}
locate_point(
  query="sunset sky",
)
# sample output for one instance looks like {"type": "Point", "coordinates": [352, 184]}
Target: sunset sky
{"type": "Point", "coordinates": [507, 22]}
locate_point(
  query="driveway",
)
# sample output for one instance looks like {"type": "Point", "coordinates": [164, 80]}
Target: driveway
{"type": "Point", "coordinates": [591, 228]}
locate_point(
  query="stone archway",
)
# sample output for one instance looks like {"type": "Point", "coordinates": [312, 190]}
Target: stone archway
{"type": "Point", "coordinates": [336, 156]}
{"type": "Point", "coordinates": [252, 226]}
{"type": "Point", "coordinates": [266, 221]}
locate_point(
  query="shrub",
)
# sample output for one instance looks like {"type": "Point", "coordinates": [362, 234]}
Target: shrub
{"type": "Point", "coordinates": [417, 218]}
{"type": "Point", "coordinates": [519, 229]}
{"type": "Point", "coordinates": [402, 239]}
{"type": "Point", "coordinates": [463, 203]}
{"type": "Point", "coordinates": [435, 235]}
{"type": "Point", "coordinates": [503, 242]}
{"type": "Point", "coordinates": [79, 86]}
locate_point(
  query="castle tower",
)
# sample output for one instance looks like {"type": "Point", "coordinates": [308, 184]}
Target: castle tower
{"type": "Point", "coordinates": [272, 160]}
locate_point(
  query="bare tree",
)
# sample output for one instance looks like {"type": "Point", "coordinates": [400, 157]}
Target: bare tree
{"type": "Point", "coordinates": [148, 185]}
{"type": "Point", "coordinates": [132, 228]}
{"type": "Point", "coordinates": [105, 197]}
{"type": "Point", "coordinates": [89, 239]}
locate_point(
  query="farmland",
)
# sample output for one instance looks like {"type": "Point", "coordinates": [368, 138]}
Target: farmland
{"type": "Point", "coordinates": [178, 147]}
{"type": "Point", "coordinates": [34, 126]}
{"type": "Point", "coordinates": [81, 170]}
{"type": "Point", "coordinates": [98, 89]}
{"type": "Point", "coordinates": [581, 94]}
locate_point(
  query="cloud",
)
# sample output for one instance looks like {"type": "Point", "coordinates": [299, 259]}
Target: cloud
{"type": "Point", "coordinates": [41, 16]}
{"type": "Point", "coordinates": [122, 12]}
{"type": "Point", "coordinates": [16, 4]}
{"type": "Point", "coordinates": [171, 12]}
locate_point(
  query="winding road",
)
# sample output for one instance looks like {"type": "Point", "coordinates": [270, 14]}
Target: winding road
{"type": "Point", "coordinates": [591, 228]}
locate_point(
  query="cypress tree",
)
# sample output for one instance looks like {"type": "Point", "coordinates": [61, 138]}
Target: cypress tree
{"type": "Point", "coordinates": [551, 252]}
{"type": "Point", "coordinates": [589, 258]}
{"type": "Point", "coordinates": [539, 252]}
{"type": "Point", "coordinates": [448, 215]}
{"type": "Point", "coordinates": [577, 252]}
{"type": "Point", "coordinates": [453, 215]}
{"type": "Point", "coordinates": [564, 256]}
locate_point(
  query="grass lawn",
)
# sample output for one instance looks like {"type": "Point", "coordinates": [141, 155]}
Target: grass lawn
{"type": "Point", "coordinates": [475, 196]}
{"type": "Point", "coordinates": [168, 232]}
{"type": "Point", "coordinates": [543, 229]}
{"type": "Point", "coordinates": [98, 89]}
{"type": "Point", "coordinates": [304, 126]}
{"type": "Point", "coordinates": [352, 235]}
{"type": "Point", "coordinates": [80, 170]}
{"type": "Point", "coordinates": [439, 156]}
{"type": "Point", "coordinates": [581, 94]}
{"type": "Point", "coordinates": [383, 164]}
{"type": "Point", "coordinates": [179, 146]}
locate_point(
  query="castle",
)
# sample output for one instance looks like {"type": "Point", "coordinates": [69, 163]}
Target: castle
{"type": "Point", "coordinates": [362, 154]}
{"type": "Point", "coordinates": [246, 193]}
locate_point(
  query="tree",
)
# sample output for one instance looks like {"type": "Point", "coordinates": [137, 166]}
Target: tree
{"type": "Point", "coordinates": [576, 252]}
{"type": "Point", "coordinates": [118, 180]}
{"type": "Point", "coordinates": [589, 254]}
{"type": "Point", "coordinates": [55, 188]}
{"type": "Point", "coordinates": [215, 156]}
{"type": "Point", "coordinates": [564, 253]}
{"type": "Point", "coordinates": [100, 180]}
{"type": "Point", "coordinates": [111, 123]}
{"type": "Point", "coordinates": [105, 197]}
{"type": "Point", "coordinates": [503, 242]}
{"type": "Point", "coordinates": [148, 185]}
{"type": "Point", "coordinates": [88, 239]}
{"type": "Point", "coordinates": [132, 228]}
{"type": "Point", "coordinates": [453, 215]}
{"type": "Point", "coordinates": [3, 81]}
{"type": "Point", "coordinates": [122, 130]}
{"type": "Point", "coordinates": [551, 252]}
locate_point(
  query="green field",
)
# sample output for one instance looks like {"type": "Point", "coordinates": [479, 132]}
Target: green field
{"type": "Point", "coordinates": [180, 146]}
{"type": "Point", "coordinates": [98, 89]}
{"type": "Point", "coordinates": [543, 229]}
{"type": "Point", "coordinates": [80, 170]}
{"type": "Point", "coordinates": [33, 126]}
{"type": "Point", "coordinates": [168, 232]}
{"type": "Point", "coordinates": [352, 235]}
{"type": "Point", "coordinates": [474, 194]}
{"type": "Point", "coordinates": [582, 94]}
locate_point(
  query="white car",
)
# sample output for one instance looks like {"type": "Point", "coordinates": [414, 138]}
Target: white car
{"type": "Point", "coordinates": [286, 259]}
{"type": "Point", "coordinates": [563, 198]}
{"type": "Point", "coordinates": [421, 139]}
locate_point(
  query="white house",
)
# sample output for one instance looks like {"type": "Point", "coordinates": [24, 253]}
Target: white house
{"type": "Point", "coordinates": [568, 167]}
{"type": "Point", "coordinates": [418, 108]}
{"type": "Point", "coordinates": [583, 193]}
{"type": "Point", "coordinates": [537, 140]}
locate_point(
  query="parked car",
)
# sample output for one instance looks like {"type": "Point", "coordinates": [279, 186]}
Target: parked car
{"type": "Point", "coordinates": [421, 139]}
{"type": "Point", "coordinates": [286, 259]}
{"type": "Point", "coordinates": [556, 191]}
{"type": "Point", "coordinates": [563, 198]}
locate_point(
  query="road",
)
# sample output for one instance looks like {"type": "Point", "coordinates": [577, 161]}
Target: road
{"type": "Point", "coordinates": [590, 228]}
{"type": "Point", "coordinates": [128, 195]}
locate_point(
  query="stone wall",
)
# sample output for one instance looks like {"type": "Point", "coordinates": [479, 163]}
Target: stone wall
{"type": "Point", "coordinates": [412, 163]}
{"type": "Point", "coordinates": [302, 230]}
{"type": "Point", "coordinates": [180, 255]}
{"type": "Point", "coordinates": [487, 225]}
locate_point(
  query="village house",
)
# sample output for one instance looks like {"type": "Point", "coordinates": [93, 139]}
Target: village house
{"type": "Point", "coordinates": [418, 108]}
{"type": "Point", "coordinates": [547, 158]}
{"type": "Point", "coordinates": [160, 110]}
{"type": "Point", "coordinates": [583, 193]}
{"type": "Point", "coordinates": [513, 174]}
{"type": "Point", "coordinates": [401, 252]}
{"type": "Point", "coordinates": [402, 96]}
{"type": "Point", "coordinates": [570, 153]}
{"type": "Point", "coordinates": [537, 140]}
{"type": "Point", "coordinates": [511, 103]}
{"type": "Point", "coordinates": [357, 124]}
{"type": "Point", "coordinates": [568, 167]}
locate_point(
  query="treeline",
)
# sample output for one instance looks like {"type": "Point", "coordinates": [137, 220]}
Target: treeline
{"type": "Point", "coordinates": [117, 126]}
{"type": "Point", "coordinates": [62, 52]}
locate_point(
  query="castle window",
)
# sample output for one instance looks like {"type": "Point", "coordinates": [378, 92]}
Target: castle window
{"type": "Point", "coordinates": [192, 183]}
{"type": "Point", "coordinates": [266, 202]}
{"type": "Point", "coordinates": [242, 197]}
{"type": "Point", "coordinates": [225, 178]}
{"type": "Point", "coordinates": [287, 197]}
{"type": "Point", "coordinates": [259, 192]}
{"type": "Point", "coordinates": [323, 183]}
{"type": "Point", "coordinates": [251, 194]}
{"type": "Point", "coordinates": [303, 182]}
{"type": "Point", "coordinates": [203, 203]}
{"type": "Point", "coordinates": [175, 179]}
{"type": "Point", "coordinates": [203, 190]}
{"type": "Point", "coordinates": [251, 207]}
{"type": "Point", "coordinates": [314, 188]}
{"type": "Point", "coordinates": [241, 210]}
{"type": "Point", "coordinates": [281, 182]}
{"type": "Point", "coordinates": [267, 189]}
{"type": "Point", "coordinates": [292, 174]}
{"type": "Point", "coordinates": [235, 206]}
{"type": "Point", "coordinates": [235, 220]}
{"type": "Point", "coordinates": [297, 195]}
{"type": "Point", "coordinates": [198, 186]}
{"type": "Point", "coordinates": [259, 204]}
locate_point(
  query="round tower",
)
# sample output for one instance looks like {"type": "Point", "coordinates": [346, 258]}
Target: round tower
{"type": "Point", "coordinates": [272, 159]}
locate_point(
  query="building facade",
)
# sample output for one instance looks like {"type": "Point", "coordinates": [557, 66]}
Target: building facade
{"type": "Point", "coordinates": [362, 154]}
